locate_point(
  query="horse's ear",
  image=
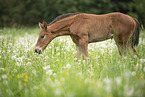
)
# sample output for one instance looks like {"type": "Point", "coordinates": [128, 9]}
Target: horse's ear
{"type": "Point", "coordinates": [40, 25]}
{"type": "Point", "coordinates": [45, 25]}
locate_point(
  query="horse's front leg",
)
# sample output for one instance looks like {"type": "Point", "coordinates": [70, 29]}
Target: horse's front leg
{"type": "Point", "coordinates": [84, 49]}
{"type": "Point", "coordinates": [78, 49]}
{"type": "Point", "coordinates": [78, 53]}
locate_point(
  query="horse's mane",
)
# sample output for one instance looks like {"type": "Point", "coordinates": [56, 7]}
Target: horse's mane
{"type": "Point", "coordinates": [62, 17]}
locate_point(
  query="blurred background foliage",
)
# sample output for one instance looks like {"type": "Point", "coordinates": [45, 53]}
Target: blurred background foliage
{"type": "Point", "coordinates": [14, 13]}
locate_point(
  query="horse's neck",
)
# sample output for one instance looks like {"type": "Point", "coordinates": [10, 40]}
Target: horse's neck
{"type": "Point", "coordinates": [61, 27]}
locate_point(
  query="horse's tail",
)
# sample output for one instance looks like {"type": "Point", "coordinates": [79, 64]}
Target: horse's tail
{"type": "Point", "coordinates": [135, 36]}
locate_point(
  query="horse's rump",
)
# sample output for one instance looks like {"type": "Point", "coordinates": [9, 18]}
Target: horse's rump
{"type": "Point", "coordinates": [135, 37]}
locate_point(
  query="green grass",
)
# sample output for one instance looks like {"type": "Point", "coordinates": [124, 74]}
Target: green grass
{"type": "Point", "coordinates": [55, 73]}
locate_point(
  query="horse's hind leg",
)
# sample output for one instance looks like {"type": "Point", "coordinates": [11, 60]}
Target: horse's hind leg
{"type": "Point", "coordinates": [124, 45]}
{"type": "Point", "coordinates": [132, 48]}
{"type": "Point", "coordinates": [121, 43]}
{"type": "Point", "coordinates": [135, 52]}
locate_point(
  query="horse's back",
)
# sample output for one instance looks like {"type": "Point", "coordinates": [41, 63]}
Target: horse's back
{"type": "Point", "coordinates": [115, 18]}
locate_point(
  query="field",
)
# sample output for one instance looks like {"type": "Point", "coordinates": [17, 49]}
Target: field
{"type": "Point", "coordinates": [56, 73]}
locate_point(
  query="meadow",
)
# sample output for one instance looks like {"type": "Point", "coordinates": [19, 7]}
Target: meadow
{"type": "Point", "coordinates": [56, 73]}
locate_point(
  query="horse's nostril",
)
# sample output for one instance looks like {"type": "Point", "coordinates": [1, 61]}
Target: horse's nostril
{"type": "Point", "coordinates": [35, 51]}
{"type": "Point", "coordinates": [40, 51]}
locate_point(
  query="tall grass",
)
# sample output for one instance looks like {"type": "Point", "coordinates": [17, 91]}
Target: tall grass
{"type": "Point", "coordinates": [56, 73]}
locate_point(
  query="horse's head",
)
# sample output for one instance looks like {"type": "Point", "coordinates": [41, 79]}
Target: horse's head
{"type": "Point", "coordinates": [44, 38]}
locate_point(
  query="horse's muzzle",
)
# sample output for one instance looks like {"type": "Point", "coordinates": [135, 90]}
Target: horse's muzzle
{"type": "Point", "coordinates": [39, 51]}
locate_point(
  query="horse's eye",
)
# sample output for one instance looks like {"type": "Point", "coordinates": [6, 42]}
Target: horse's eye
{"type": "Point", "coordinates": [42, 36]}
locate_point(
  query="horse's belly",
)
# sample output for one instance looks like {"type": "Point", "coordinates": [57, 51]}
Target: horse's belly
{"type": "Point", "coordinates": [95, 37]}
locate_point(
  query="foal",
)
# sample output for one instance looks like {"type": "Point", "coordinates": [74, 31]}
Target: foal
{"type": "Point", "coordinates": [88, 28]}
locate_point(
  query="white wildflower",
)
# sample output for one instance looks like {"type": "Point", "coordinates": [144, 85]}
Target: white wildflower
{"type": "Point", "coordinates": [28, 59]}
{"type": "Point", "coordinates": [144, 69]}
{"type": "Point", "coordinates": [79, 61]}
{"type": "Point", "coordinates": [107, 80]}
{"type": "Point", "coordinates": [68, 66]}
{"type": "Point", "coordinates": [49, 72]}
{"type": "Point", "coordinates": [8, 51]}
{"type": "Point", "coordinates": [132, 61]}
{"type": "Point", "coordinates": [14, 51]}
{"type": "Point", "coordinates": [5, 82]}
{"type": "Point", "coordinates": [135, 56]}
{"type": "Point", "coordinates": [20, 85]}
{"type": "Point", "coordinates": [140, 66]}
{"type": "Point", "coordinates": [35, 87]}
{"type": "Point", "coordinates": [127, 74]}
{"type": "Point", "coordinates": [129, 92]}
{"type": "Point", "coordinates": [142, 60]}
{"type": "Point", "coordinates": [57, 60]}
{"type": "Point", "coordinates": [72, 49]}
{"type": "Point", "coordinates": [62, 79]}
{"type": "Point", "coordinates": [58, 53]}
{"type": "Point", "coordinates": [13, 57]}
{"type": "Point", "coordinates": [87, 80]}
{"type": "Point", "coordinates": [18, 64]}
{"type": "Point", "coordinates": [108, 88]}
{"type": "Point", "coordinates": [84, 61]}
{"type": "Point", "coordinates": [102, 50]}
{"type": "Point", "coordinates": [54, 74]}
{"type": "Point", "coordinates": [0, 56]}
{"type": "Point", "coordinates": [3, 51]}
{"type": "Point", "coordinates": [15, 70]}
{"type": "Point", "coordinates": [79, 74]}
{"type": "Point", "coordinates": [20, 59]}
{"type": "Point", "coordinates": [75, 59]}
{"type": "Point", "coordinates": [50, 47]}
{"type": "Point", "coordinates": [57, 92]}
{"type": "Point", "coordinates": [34, 72]}
{"type": "Point", "coordinates": [10, 43]}
{"type": "Point", "coordinates": [29, 63]}
{"type": "Point", "coordinates": [118, 80]}
{"type": "Point", "coordinates": [46, 67]}
{"type": "Point", "coordinates": [41, 54]}
{"type": "Point", "coordinates": [133, 73]}
{"type": "Point", "coordinates": [125, 57]}
{"type": "Point", "coordinates": [2, 69]}
{"type": "Point", "coordinates": [4, 76]}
